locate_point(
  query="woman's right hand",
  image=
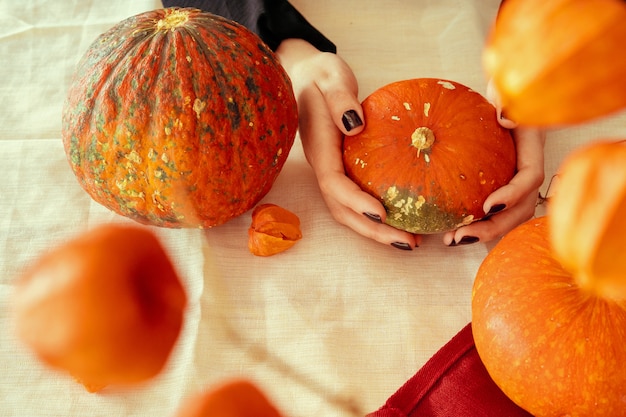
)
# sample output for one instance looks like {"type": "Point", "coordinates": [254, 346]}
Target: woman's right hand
{"type": "Point", "coordinates": [326, 90]}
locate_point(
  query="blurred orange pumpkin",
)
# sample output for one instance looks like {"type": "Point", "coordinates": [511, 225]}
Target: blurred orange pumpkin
{"type": "Point", "coordinates": [588, 218]}
{"type": "Point", "coordinates": [107, 306]}
{"type": "Point", "coordinates": [558, 62]}
{"type": "Point", "coordinates": [236, 398]}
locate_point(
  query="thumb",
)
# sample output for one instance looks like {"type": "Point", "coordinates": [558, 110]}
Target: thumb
{"type": "Point", "coordinates": [341, 96]}
{"type": "Point", "coordinates": [345, 110]}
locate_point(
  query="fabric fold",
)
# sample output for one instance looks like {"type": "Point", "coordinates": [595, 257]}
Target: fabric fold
{"type": "Point", "coordinates": [453, 383]}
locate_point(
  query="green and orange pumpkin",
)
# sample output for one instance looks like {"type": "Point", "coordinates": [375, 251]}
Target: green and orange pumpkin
{"type": "Point", "coordinates": [178, 118]}
{"type": "Point", "coordinates": [432, 151]}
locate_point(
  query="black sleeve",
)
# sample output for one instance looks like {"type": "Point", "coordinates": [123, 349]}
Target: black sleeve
{"type": "Point", "coordinates": [272, 20]}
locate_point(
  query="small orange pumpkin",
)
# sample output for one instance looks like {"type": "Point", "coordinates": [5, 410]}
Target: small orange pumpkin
{"type": "Point", "coordinates": [558, 62]}
{"type": "Point", "coordinates": [555, 348]}
{"type": "Point", "coordinates": [107, 306]}
{"type": "Point", "coordinates": [236, 398]}
{"type": "Point", "coordinates": [274, 229]}
{"type": "Point", "coordinates": [432, 151]}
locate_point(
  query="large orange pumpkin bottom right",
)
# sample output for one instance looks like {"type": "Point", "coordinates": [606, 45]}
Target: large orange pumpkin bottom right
{"type": "Point", "coordinates": [554, 348]}
{"type": "Point", "coordinates": [432, 151]}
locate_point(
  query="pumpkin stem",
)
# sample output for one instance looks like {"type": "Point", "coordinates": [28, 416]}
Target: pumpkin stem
{"type": "Point", "coordinates": [173, 19]}
{"type": "Point", "coordinates": [422, 138]}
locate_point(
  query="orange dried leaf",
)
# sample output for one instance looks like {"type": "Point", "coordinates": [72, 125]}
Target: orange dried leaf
{"type": "Point", "coordinates": [273, 230]}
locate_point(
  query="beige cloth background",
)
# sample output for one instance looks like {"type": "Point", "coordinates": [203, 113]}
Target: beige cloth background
{"type": "Point", "coordinates": [332, 327]}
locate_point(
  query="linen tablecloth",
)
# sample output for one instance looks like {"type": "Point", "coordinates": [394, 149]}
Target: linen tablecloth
{"type": "Point", "coordinates": [332, 327]}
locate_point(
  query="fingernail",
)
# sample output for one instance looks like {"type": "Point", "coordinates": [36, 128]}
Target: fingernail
{"type": "Point", "coordinates": [373, 217]}
{"type": "Point", "coordinates": [465, 240]}
{"type": "Point", "coordinates": [351, 120]}
{"type": "Point", "coordinates": [401, 245]}
{"type": "Point", "coordinates": [496, 208]}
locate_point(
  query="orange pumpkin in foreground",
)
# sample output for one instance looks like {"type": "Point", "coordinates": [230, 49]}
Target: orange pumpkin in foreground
{"type": "Point", "coordinates": [549, 300]}
{"type": "Point", "coordinates": [179, 118]}
{"type": "Point", "coordinates": [558, 62]}
{"type": "Point", "coordinates": [554, 348]}
{"type": "Point", "coordinates": [432, 151]}
{"type": "Point", "coordinates": [107, 306]}
{"type": "Point", "coordinates": [588, 217]}
{"type": "Point", "coordinates": [236, 398]}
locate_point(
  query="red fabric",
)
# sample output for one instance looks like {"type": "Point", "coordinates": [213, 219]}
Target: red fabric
{"type": "Point", "coordinates": [453, 383]}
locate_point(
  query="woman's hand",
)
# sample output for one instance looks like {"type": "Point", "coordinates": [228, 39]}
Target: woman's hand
{"type": "Point", "coordinates": [327, 94]}
{"type": "Point", "coordinates": [515, 202]}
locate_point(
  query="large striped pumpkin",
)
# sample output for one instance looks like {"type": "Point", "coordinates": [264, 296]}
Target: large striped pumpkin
{"type": "Point", "coordinates": [178, 118]}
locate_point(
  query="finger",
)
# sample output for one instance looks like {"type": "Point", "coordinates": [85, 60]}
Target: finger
{"type": "Point", "coordinates": [495, 226]}
{"type": "Point", "coordinates": [339, 88]}
{"type": "Point", "coordinates": [529, 144]}
{"type": "Point", "coordinates": [363, 213]}
{"type": "Point", "coordinates": [342, 191]}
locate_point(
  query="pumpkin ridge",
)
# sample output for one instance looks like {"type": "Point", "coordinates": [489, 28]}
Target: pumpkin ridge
{"type": "Point", "coordinates": [143, 129]}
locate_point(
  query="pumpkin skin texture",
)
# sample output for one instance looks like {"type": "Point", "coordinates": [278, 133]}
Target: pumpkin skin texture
{"type": "Point", "coordinates": [558, 62]}
{"type": "Point", "coordinates": [553, 347]}
{"type": "Point", "coordinates": [178, 118]}
{"type": "Point", "coordinates": [106, 306]}
{"type": "Point", "coordinates": [432, 151]}
{"type": "Point", "coordinates": [588, 217]}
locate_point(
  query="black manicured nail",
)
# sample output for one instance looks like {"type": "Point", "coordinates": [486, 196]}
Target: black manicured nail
{"type": "Point", "coordinates": [401, 245]}
{"type": "Point", "coordinates": [351, 120]}
{"type": "Point", "coordinates": [373, 217]}
{"type": "Point", "coordinates": [496, 208]}
{"type": "Point", "coordinates": [465, 240]}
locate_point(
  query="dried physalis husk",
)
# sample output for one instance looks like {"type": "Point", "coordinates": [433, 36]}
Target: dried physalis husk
{"type": "Point", "coordinates": [273, 230]}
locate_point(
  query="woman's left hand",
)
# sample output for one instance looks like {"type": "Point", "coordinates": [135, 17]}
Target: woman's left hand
{"type": "Point", "coordinates": [514, 203]}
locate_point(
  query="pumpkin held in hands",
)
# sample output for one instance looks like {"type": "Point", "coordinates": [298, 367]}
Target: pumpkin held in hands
{"type": "Point", "coordinates": [558, 62]}
{"type": "Point", "coordinates": [107, 306]}
{"type": "Point", "coordinates": [432, 151]}
{"type": "Point", "coordinates": [179, 118]}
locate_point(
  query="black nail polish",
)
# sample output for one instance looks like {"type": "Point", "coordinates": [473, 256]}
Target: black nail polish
{"type": "Point", "coordinates": [351, 120]}
{"type": "Point", "coordinates": [496, 208]}
{"type": "Point", "coordinates": [401, 245]}
{"type": "Point", "coordinates": [465, 240]}
{"type": "Point", "coordinates": [373, 217]}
